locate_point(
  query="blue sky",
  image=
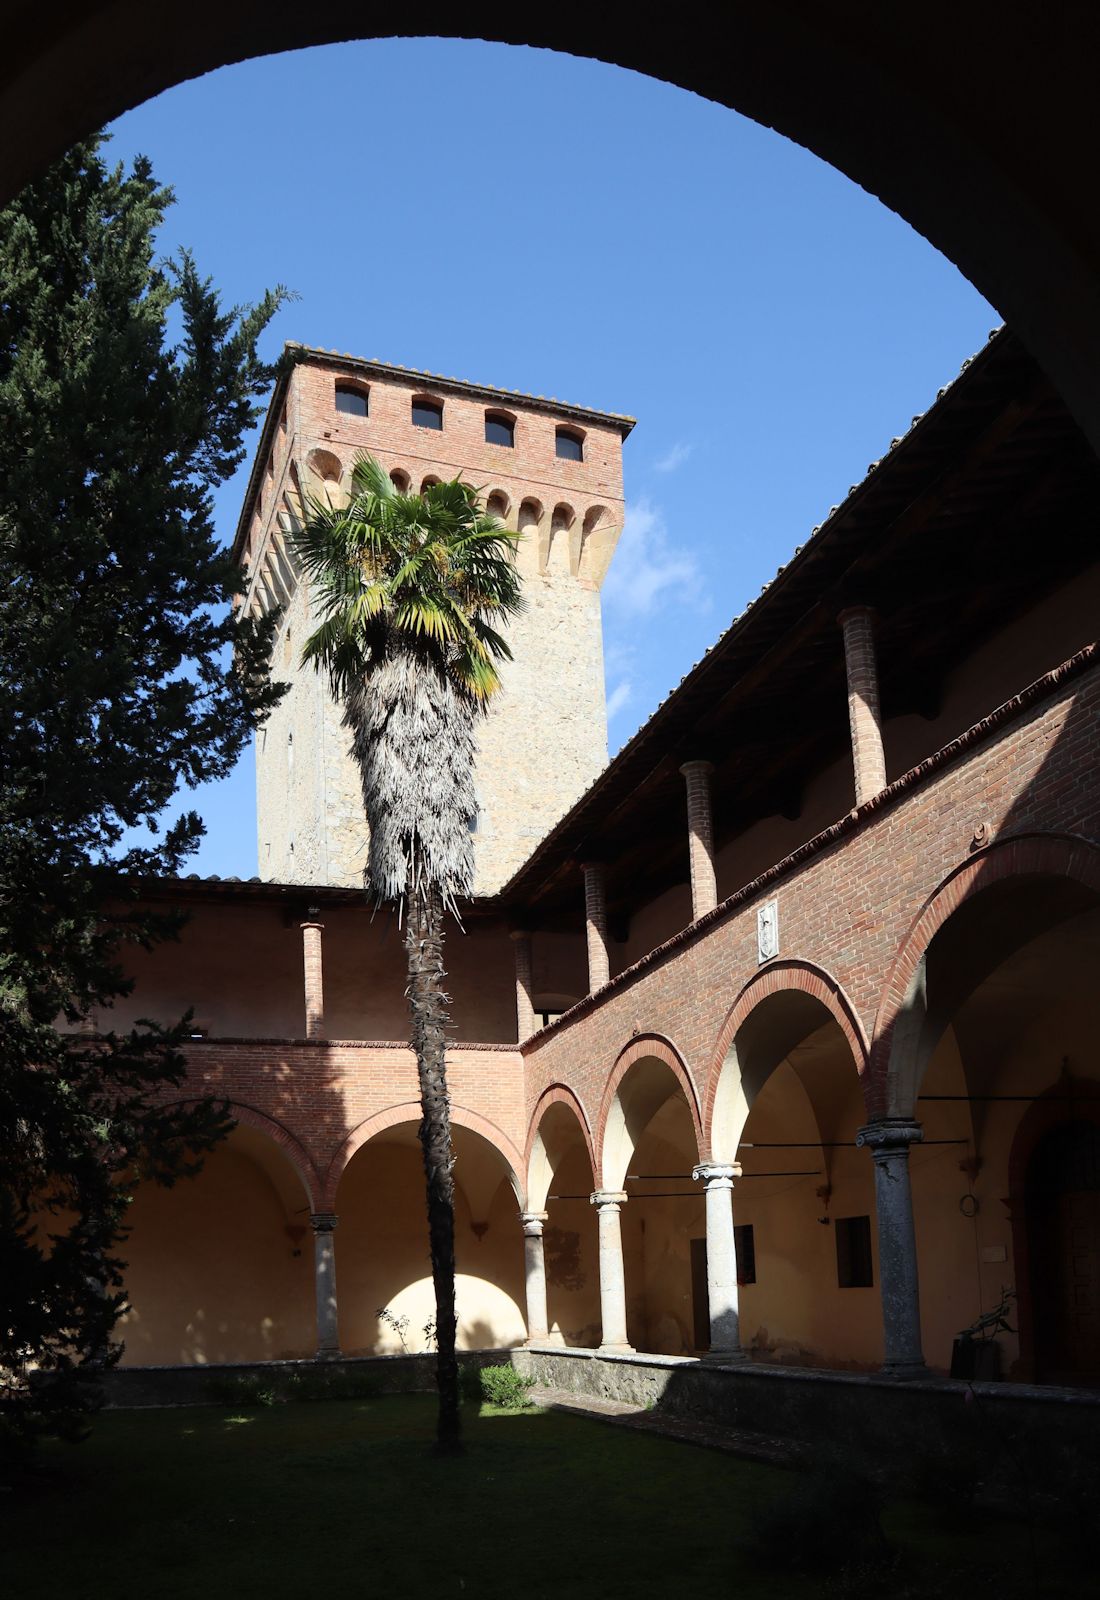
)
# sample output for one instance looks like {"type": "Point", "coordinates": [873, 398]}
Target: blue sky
{"type": "Point", "coordinates": [549, 224]}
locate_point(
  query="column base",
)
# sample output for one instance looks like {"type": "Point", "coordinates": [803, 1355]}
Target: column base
{"type": "Point", "coordinates": [906, 1371]}
{"type": "Point", "coordinates": [329, 1355]}
{"type": "Point", "coordinates": [726, 1357]}
{"type": "Point", "coordinates": [623, 1349]}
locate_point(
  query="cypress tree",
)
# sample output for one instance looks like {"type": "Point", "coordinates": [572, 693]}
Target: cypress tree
{"type": "Point", "coordinates": [126, 392]}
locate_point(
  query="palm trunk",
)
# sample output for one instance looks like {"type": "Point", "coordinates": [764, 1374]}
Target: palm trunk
{"type": "Point", "coordinates": [428, 1005]}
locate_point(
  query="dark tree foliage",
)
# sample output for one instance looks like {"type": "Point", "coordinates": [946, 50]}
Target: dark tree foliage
{"type": "Point", "coordinates": [125, 395]}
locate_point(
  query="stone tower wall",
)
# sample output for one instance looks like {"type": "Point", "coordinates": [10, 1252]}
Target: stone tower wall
{"type": "Point", "coordinates": [544, 740]}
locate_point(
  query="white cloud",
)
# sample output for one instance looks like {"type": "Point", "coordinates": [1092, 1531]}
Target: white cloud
{"type": "Point", "coordinates": [619, 698]}
{"type": "Point", "coordinates": [647, 571]}
{"type": "Point", "coordinates": [673, 458]}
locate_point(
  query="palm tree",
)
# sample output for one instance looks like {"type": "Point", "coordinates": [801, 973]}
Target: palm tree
{"type": "Point", "coordinates": [408, 588]}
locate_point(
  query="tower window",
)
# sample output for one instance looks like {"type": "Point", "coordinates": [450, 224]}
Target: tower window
{"type": "Point", "coordinates": [499, 429]}
{"type": "Point", "coordinates": [427, 414]}
{"type": "Point", "coordinates": [352, 401]}
{"type": "Point", "coordinates": [569, 445]}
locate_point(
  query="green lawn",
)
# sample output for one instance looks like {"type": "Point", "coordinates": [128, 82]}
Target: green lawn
{"type": "Point", "coordinates": [345, 1499]}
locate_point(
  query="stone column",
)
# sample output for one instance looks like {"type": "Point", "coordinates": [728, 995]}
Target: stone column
{"type": "Point", "coordinates": [704, 888]}
{"type": "Point", "coordinates": [534, 1261]}
{"type": "Point", "coordinates": [525, 1010]}
{"type": "Point", "coordinates": [324, 1257]}
{"type": "Point", "coordinates": [864, 718]}
{"type": "Point", "coordinates": [612, 1277]}
{"type": "Point", "coordinates": [595, 918]}
{"type": "Point", "coordinates": [899, 1288]}
{"type": "Point", "coordinates": [725, 1328]}
{"type": "Point", "coordinates": [315, 996]}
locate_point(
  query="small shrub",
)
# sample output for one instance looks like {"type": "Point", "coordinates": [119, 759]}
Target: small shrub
{"type": "Point", "coordinates": [500, 1386]}
{"type": "Point", "coordinates": [242, 1389]}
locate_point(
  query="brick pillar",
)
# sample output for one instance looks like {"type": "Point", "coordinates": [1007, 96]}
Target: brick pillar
{"type": "Point", "coordinates": [315, 997]}
{"type": "Point", "coordinates": [704, 889]}
{"type": "Point", "coordinates": [525, 1010]}
{"type": "Point", "coordinates": [595, 917]}
{"type": "Point", "coordinates": [863, 708]}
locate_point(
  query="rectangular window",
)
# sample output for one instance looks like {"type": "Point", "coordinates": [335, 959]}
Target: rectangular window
{"type": "Point", "coordinates": [853, 1252]}
{"type": "Point", "coordinates": [744, 1246]}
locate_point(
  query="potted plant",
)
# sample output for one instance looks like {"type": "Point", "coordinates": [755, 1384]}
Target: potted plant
{"type": "Point", "coordinates": [976, 1353]}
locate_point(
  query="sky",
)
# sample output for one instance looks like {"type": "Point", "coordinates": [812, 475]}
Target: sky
{"type": "Point", "coordinates": [544, 223]}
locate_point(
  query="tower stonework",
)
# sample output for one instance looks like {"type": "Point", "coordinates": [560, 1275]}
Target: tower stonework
{"type": "Point", "coordinates": [558, 484]}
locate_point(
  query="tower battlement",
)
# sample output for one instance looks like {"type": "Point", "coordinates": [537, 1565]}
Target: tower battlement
{"type": "Point", "coordinates": [553, 473]}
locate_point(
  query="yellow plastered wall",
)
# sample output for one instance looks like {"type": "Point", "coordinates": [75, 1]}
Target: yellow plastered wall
{"type": "Point", "coordinates": [382, 1259]}
{"type": "Point", "coordinates": [214, 1275]}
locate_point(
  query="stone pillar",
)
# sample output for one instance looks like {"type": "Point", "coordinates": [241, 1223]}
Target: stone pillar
{"type": "Point", "coordinates": [864, 717]}
{"type": "Point", "coordinates": [725, 1328]}
{"type": "Point", "coordinates": [612, 1277]}
{"type": "Point", "coordinates": [899, 1288]}
{"type": "Point", "coordinates": [595, 918]}
{"type": "Point", "coordinates": [324, 1257]}
{"type": "Point", "coordinates": [534, 1261]}
{"type": "Point", "coordinates": [525, 1010]}
{"type": "Point", "coordinates": [315, 995]}
{"type": "Point", "coordinates": [704, 888]}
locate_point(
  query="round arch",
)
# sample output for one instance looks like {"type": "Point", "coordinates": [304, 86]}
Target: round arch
{"type": "Point", "coordinates": [646, 1046]}
{"type": "Point", "coordinates": [898, 1037]}
{"type": "Point", "coordinates": [804, 977]}
{"type": "Point", "coordinates": [556, 1095]}
{"type": "Point", "coordinates": [291, 1147]}
{"type": "Point", "coordinates": [409, 1111]}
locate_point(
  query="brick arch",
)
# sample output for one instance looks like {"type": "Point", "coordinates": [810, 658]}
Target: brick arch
{"type": "Point", "coordinates": [777, 978]}
{"type": "Point", "coordinates": [559, 1094]}
{"type": "Point", "coordinates": [409, 1111]}
{"type": "Point", "coordinates": [291, 1147]}
{"type": "Point", "coordinates": [1052, 855]}
{"type": "Point", "coordinates": [640, 1048]}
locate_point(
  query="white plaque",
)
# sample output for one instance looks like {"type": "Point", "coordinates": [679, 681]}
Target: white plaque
{"type": "Point", "coordinates": [767, 931]}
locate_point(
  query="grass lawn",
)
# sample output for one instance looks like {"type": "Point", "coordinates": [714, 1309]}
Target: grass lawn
{"type": "Point", "coordinates": [345, 1498]}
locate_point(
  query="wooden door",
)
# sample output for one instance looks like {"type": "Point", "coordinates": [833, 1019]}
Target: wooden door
{"type": "Point", "coordinates": [1064, 1211]}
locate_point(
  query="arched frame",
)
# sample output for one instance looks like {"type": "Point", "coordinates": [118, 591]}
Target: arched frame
{"type": "Point", "coordinates": [1051, 855]}
{"type": "Point", "coordinates": [557, 1095]}
{"type": "Point", "coordinates": [780, 977]}
{"type": "Point", "coordinates": [409, 1111]}
{"type": "Point", "coordinates": [646, 1046]}
{"type": "Point", "coordinates": [294, 1151]}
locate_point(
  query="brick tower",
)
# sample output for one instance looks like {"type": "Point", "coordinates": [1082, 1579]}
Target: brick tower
{"type": "Point", "coordinates": [552, 472]}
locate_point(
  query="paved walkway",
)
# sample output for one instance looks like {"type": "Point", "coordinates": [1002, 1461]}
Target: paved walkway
{"type": "Point", "coordinates": [689, 1430]}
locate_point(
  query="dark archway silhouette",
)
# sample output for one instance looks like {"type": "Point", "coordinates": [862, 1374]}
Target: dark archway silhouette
{"type": "Point", "coordinates": [974, 123]}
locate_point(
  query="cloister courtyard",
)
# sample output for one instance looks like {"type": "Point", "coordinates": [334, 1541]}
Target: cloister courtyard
{"type": "Point", "coordinates": [347, 1496]}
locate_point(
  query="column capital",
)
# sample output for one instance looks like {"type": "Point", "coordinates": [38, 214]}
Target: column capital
{"type": "Point", "coordinates": [716, 1174]}
{"type": "Point", "coordinates": [611, 1199]}
{"type": "Point", "coordinates": [519, 933]}
{"type": "Point", "coordinates": [311, 922]}
{"type": "Point", "coordinates": [531, 1222]}
{"type": "Point", "coordinates": [689, 768]}
{"type": "Point", "coordinates": [891, 1136]}
{"type": "Point", "coordinates": [323, 1221]}
{"type": "Point", "coordinates": [857, 613]}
